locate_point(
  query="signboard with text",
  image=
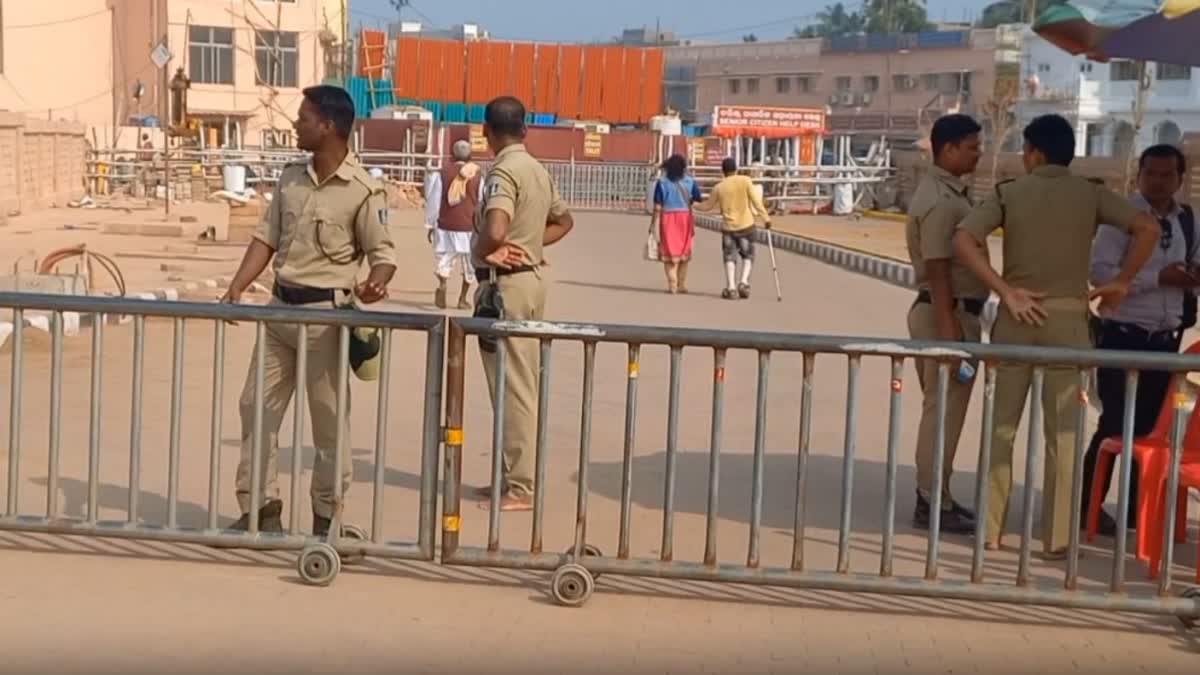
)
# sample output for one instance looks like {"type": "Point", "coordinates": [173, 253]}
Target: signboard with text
{"type": "Point", "coordinates": [736, 120]}
{"type": "Point", "coordinates": [593, 145]}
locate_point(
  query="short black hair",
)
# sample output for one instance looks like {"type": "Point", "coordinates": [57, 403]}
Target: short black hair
{"type": "Point", "coordinates": [950, 129]}
{"type": "Point", "coordinates": [676, 167]}
{"type": "Point", "coordinates": [506, 116]}
{"type": "Point", "coordinates": [729, 165]}
{"type": "Point", "coordinates": [1164, 150]}
{"type": "Point", "coordinates": [335, 105]}
{"type": "Point", "coordinates": [1053, 135]}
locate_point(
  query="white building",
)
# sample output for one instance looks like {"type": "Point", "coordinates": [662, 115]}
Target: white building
{"type": "Point", "coordinates": [1099, 98]}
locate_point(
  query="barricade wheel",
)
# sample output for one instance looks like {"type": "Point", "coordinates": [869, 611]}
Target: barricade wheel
{"type": "Point", "coordinates": [572, 585]}
{"type": "Point", "coordinates": [353, 533]}
{"type": "Point", "coordinates": [319, 564]}
{"type": "Point", "coordinates": [1189, 622]}
{"type": "Point", "coordinates": [589, 551]}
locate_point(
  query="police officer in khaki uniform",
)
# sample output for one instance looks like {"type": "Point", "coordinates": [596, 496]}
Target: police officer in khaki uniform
{"type": "Point", "coordinates": [521, 213]}
{"type": "Point", "coordinates": [949, 302]}
{"type": "Point", "coordinates": [1049, 218]}
{"type": "Point", "coordinates": [326, 216]}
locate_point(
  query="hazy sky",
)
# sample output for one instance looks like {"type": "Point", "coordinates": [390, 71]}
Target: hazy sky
{"type": "Point", "coordinates": [565, 20]}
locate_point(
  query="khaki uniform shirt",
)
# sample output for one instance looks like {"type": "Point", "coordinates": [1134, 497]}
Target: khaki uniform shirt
{"type": "Point", "coordinates": [1049, 218]}
{"type": "Point", "coordinates": [938, 206]}
{"type": "Point", "coordinates": [321, 231]}
{"type": "Point", "coordinates": [520, 186]}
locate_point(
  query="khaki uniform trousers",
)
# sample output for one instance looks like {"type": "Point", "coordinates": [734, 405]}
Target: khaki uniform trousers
{"type": "Point", "coordinates": [922, 326]}
{"type": "Point", "coordinates": [279, 380]}
{"type": "Point", "coordinates": [524, 298]}
{"type": "Point", "coordinates": [1066, 327]}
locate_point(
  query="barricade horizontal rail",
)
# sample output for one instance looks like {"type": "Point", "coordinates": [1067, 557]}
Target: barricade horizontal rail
{"type": "Point", "coordinates": [319, 560]}
{"type": "Point", "coordinates": [575, 570]}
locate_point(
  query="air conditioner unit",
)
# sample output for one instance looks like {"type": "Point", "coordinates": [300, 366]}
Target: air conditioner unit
{"type": "Point", "coordinates": [909, 82]}
{"type": "Point", "coordinates": [865, 99]}
{"type": "Point", "coordinates": [834, 99]}
{"type": "Point", "coordinates": [847, 98]}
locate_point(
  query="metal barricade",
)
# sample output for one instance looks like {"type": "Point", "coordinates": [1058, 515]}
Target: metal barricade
{"type": "Point", "coordinates": [319, 562]}
{"type": "Point", "coordinates": [600, 186]}
{"type": "Point", "coordinates": [574, 571]}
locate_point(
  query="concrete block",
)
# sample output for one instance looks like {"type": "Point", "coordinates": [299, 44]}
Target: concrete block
{"type": "Point", "coordinates": [144, 229]}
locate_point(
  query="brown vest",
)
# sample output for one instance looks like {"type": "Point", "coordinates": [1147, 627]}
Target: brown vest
{"type": "Point", "coordinates": [461, 217]}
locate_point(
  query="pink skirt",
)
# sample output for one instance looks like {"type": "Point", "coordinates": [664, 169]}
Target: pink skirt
{"type": "Point", "coordinates": [676, 231]}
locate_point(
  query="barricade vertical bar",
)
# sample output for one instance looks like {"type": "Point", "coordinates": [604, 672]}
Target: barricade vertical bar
{"type": "Point", "coordinates": [301, 407]}
{"type": "Point", "coordinates": [498, 445]}
{"type": "Point", "coordinates": [668, 530]}
{"type": "Point", "coordinates": [760, 444]}
{"type": "Point", "coordinates": [1118, 571]}
{"type": "Point", "coordinates": [1031, 462]}
{"type": "Point", "coordinates": [342, 401]}
{"type": "Point", "coordinates": [1071, 581]}
{"type": "Point", "coordinates": [631, 391]}
{"type": "Point", "coordinates": [585, 445]}
{"type": "Point", "coordinates": [981, 473]}
{"type": "Point", "coordinates": [452, 485]}
{"type": "Point", "coordinates": [806, 404]}
{"type": "Point", "coordinates": [1178, 429]}
{"type": "Point", "coordinates": [939, 463]}
{"type": "Point", "coordinates": [14, 413]}
{"type": "Point", "coordinates": [543, 421]}
{"type": "Point", "coordinates": [381, 434]}
{"type": "Point", "coordinates": [56, 366]}
{"type": "Point", "coordinates": [256, 449]}
{"type": "Point", "coordinates": [893, 461]}
{"type": "Point", "coordinates": [135, 417]}
{"type": "Point", "coordinates": [176, 423]}
{"type": "Point", "coordinates": [714, 459]}
{"type": "Point", "coordinates": [843, 564]}
{"type": "Point", "coordinates": [435, 344]}
{"type": "Point", "coordinates": [214, 449]}
{"type": "Point", "coordinates": [95, 422]}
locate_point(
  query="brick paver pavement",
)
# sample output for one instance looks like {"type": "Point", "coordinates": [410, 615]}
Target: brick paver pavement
{"type": "Point", "coordinates": [85, 605]}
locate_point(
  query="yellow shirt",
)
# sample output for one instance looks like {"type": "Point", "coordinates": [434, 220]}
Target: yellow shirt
{"type": "Point", "coordinates": [738, 202]}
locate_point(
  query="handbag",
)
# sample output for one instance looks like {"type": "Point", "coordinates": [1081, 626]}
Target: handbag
{"type": "Point", "coordinates": [651, 252]}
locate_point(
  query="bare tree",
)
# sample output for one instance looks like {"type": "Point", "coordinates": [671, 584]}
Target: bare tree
{"type": "Point", "coordinates": [1139, 114]}
{"type": "Point", "coordinates": [1000, 114]}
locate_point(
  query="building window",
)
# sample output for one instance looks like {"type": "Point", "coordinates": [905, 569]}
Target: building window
{"type": "Point", "coordinates": [1085, 67]}
{"type": "Point", "coordinates": [1123, 71]}
{"type": "Point", "coordinates": [804, 85]}
{"type": "Point", "coordinates": [735, 86]}
{"type": "Point", "coordinates": [930, 81]}
{"type": "Point", "coordinates": [842, 83]}
{"type": "Point", "coordinates": [277, 58]}
{"type": "Point", "coordinates": [1043, 67]}
{"type": "Point", "coordinates": [1171, 71]}
{"type": "Point", "coordinates": [752, 85]}
{"type": "Point", "coordinates": [870, 83]}
{"type": "Point", "coordinates": [783, 85]}
{"type": "Point", "coordinates": [904, 82]}
{"type": "Point", "coordinates": [210, 55]}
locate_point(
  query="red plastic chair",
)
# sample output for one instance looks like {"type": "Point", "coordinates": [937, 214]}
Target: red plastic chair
{"type": "Point", "coordinates": [1152, 453]}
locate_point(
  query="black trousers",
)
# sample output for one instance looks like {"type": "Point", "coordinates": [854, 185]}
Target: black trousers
{"type": "Point", "coordinates": [1110, 385]}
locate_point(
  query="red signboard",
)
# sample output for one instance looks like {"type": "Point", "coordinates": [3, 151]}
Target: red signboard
{"type": "Point", "coordinates": [735, 120]}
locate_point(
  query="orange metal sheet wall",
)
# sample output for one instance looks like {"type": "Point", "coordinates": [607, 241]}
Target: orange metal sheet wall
{"type": "Point", "coordinates": [408, 66]}
{"type": "Point", "coordinates": [652, 84]}
{"type": "Point", "coordinates": [454, 71]}
{"type": "Point", "coordinates": [569, 84]}
{"type": "Point", "coordinates": [523, 58]}
{"type": "Point", "coordinates": [631, 98]}
{"type": "Point", "coordinates": [614, 88]}
{"type": "Point", "coordinates": [593, 82]}
{"type": "Point", "coordinates": [430, 81]}
{"type": "Point", "coordinates": [372, 52]}
{"type": "Point", "coordinates": [500, 60]}
{"type": "Point", "coordinates": [478, 72]}
{"type": "Point", "coordinates": [545, 93]}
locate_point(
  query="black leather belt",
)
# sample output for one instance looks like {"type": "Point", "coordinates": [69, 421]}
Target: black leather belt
{"type": "Point", "coordinates": [484, 274]}
{"type": "Point", "coordinates": [969, 305]}
{"type": "Point", "coordinates": [302, 295]}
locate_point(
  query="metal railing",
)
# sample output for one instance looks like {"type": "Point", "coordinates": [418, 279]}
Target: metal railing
{"type": "Point", "coordinates": [348, 540]}
{"type": "Point", "coordinates": [574, 571]}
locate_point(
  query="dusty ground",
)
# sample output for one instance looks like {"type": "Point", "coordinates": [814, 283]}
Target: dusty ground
{"type": "Point", "coordinates": [82, 605]}
{"type": "Point", "coordinates": [876, 236]}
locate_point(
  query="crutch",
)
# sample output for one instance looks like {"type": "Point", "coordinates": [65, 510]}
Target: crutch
{"type": "Point", "coordinates": [774, 266]}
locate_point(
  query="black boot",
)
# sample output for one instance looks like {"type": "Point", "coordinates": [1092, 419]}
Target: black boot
{"type": "Point", "coordinates": [321, 526]}
{"type": "Point", "coordinates": [270, 519]}
{"type": "Point", "coordinates": [955, 520]}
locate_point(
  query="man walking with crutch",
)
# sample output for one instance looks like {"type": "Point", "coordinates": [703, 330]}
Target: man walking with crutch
{"type": "Point", "coordinates": [740, 205]}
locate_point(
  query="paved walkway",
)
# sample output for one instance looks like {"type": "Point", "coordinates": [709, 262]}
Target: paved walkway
{"type": "Point", "coordinates": [79, 605]}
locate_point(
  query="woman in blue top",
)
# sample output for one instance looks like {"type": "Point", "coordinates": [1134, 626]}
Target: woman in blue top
{"type": "Point", "coordinates": [673, 198]}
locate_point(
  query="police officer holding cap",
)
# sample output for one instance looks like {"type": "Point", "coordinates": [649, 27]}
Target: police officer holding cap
{"type": "Point", "coordinates": [521, 213]}
{"type": "Point", "coordinates": [327, 215]}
